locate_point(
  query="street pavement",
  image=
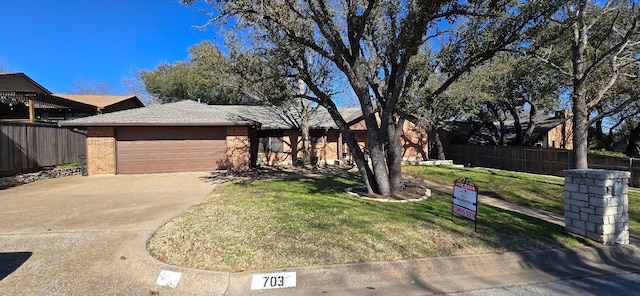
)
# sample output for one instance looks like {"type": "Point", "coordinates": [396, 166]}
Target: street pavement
{"type": "Point", "coordinates": [627, 284]}
{"type": "Point", "coordinates": [87, 236]}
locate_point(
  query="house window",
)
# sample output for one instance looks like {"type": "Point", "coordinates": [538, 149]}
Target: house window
{"type": "Point", "coordinates": [270, 142]}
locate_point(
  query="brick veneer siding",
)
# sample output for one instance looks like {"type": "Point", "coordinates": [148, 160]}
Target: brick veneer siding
{"type": "Point", "coordinates": [101, 150]}
{"type": "Point", "coordinates": [238, 148]}
{"type": "Point", "coordinates": [596, 205]}
{"type": "Point", "coordinates": [414, 142]}
{"type": "Point", "coordinates": [562, 135]}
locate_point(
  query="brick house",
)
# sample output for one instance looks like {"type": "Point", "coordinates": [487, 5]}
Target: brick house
{"type": "Point", "coordinates": [189, 136]}
{"type": "Point", "coordinates": [549, 132]}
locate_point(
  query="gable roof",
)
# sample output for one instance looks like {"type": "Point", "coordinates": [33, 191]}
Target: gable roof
{"type": "Point", "coordinates": [482, 135]}
{"type": "Point", "coordinates": [191, 113]}
{"type": "Point", "coordinates": [20, 82]}
{"type": "Point", "coordinates": [99, 101]}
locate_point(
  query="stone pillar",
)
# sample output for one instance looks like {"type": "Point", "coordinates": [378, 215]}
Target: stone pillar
{"type": "Point", "coordinates": [596, 205]}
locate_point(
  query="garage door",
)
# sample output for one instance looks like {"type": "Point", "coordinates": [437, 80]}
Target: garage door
{"type": "Point", "coordinates": [169, 149]}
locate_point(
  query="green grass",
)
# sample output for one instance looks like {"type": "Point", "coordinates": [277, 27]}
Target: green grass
{"type": "Point", "coordinates": [311, 221]}
{"type": "Point", "coordinates": [539, 191]}
{"type": "Point", "coordinates": [604, 152]}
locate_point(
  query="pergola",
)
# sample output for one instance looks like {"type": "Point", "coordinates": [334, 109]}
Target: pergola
{"type": "Point", "coordinates": [18, 88]}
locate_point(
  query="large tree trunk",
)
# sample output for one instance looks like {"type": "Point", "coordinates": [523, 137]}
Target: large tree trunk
{"type": "Point", "coordinates": [579, 95]}
{"type": "Point", "coordinates": [377, 136]}
{"type": "Point", "coordinates": [304, 129]}
{"type": "Point", "coordinates": [394, 154]}
{"type": "Point", "coordinates": [580, 140]}
{"type": "Point", "coordinates": [378, 156]}
{"type": "Point", "coordinates": [304, 124]}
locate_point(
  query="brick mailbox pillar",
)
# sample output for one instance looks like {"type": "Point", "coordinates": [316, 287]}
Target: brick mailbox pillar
{"type": "Point", "coordinates": [596, 205]}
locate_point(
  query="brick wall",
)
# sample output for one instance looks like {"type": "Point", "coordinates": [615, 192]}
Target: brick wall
{"type": "Point", "coordinates": [238, 147]}
{"type": "Point", "coordinates": [414, 142]}
{"type": "Point", "coordinates": [101, 150]}
{"type": "Point", "coordinates": [561, 135]}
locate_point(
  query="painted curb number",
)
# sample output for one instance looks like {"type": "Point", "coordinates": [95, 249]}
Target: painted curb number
{"type": "Point", "coordinates": [273, 280]}
{"type": "Point", "coordinates": [168, 278]}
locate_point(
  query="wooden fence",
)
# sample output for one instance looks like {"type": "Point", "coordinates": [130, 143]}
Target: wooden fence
{"type": "Point", "coordinates": [536, 160]}
{"type": "Point", "coordinates": [28, 147]}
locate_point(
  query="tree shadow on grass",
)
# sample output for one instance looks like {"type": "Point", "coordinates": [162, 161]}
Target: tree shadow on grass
{"type": "Point", "coordinates": [10, 262]}
{"type": "Point", "coordinates": [510, 230]}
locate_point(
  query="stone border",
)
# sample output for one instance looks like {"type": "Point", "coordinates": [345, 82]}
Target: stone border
{"type": "Point", "coordinates": [46, 173]}
{"type": "Point", "coordinates": [427, 194]}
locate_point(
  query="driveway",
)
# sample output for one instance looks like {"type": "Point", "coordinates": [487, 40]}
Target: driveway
{"type": "Point", "coordinates": [87, 235]}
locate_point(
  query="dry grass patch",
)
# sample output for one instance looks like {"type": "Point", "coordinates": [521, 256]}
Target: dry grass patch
{"type": "Point", "coordinates": [249, 225]}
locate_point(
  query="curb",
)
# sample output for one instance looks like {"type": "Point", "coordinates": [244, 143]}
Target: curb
{"type": "Point", "coordinates": [451, 274]}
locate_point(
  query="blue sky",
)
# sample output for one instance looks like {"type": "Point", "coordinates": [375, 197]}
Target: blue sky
{"type": "Point", "coordinates": [57, 43]}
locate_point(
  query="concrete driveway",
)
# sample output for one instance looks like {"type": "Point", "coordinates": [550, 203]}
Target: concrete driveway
{"type": "Point", "coordinates": [87, 235]}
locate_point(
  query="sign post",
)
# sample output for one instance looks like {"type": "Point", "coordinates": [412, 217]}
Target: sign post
{"type": "Point", "coordinates": [465, 199]}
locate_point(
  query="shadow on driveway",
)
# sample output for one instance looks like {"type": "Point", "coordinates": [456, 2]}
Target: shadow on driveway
{"type": "Point", "coordinates": [10, 262]}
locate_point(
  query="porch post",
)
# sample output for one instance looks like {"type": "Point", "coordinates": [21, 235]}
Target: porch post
{"type": "Point", "coordinates": [32, 111]}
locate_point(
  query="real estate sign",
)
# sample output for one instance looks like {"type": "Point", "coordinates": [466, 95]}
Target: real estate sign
{"type": "Point", "coordinates": [465, 198]}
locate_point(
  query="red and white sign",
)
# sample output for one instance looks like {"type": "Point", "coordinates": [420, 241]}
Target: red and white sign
{"type": "Point", "coordinates": [464, 213]}
{"type": "Point", "coordinates": [465, 199]}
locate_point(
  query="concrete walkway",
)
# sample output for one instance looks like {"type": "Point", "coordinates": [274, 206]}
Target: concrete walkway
{"type": "Point", "coordinates": [505, 205]}
{"type": "Point", "coordinates": [87, 236]}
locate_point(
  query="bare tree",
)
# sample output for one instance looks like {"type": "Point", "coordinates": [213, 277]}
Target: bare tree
{"type": "Point", "coordinates": [135, 86]}
{"type": "Point", "coordinates": [82, 86]}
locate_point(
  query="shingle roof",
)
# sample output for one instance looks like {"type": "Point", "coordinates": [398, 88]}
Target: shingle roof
{"type": "Point", "coordinates": [191, 113]}
{"type": "Point", "coordinates": [99, 101]}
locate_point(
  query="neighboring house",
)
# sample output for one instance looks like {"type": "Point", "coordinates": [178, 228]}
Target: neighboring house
{"type": "Point", "coordinates": [549, 132]}
{"type": "Point", "coordinates": [555, 132]}
{"type": "Point", "coordinates": [189, 136]}
{"type": "Point", "coordinates": [24, 100]}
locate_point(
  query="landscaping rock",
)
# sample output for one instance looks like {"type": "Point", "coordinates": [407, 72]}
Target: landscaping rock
{"type": "Point", "coordinates": [45, 173]}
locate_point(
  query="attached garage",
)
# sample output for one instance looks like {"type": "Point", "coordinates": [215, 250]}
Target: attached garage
{"type": "Point", "coordinates": [189, 136]}
{"type": "Point", "coordinates": [169, 149]}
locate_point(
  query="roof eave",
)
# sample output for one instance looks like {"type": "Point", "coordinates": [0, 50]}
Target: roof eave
{"type": "Point", "coordinates": [123, 124]}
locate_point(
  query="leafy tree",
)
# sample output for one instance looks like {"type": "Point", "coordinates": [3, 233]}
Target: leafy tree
{"type": "Point", "coordinates": [370, 44]}
{"type": "Point", "coordinates": [215, 78]}
{"type": "Point", "coordinates": [507, 88]}
{"type": "Point", "coordinates": [603, 47]}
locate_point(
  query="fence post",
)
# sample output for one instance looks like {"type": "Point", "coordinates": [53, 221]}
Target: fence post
{"type": "Point", "coordinates": [525, 159]}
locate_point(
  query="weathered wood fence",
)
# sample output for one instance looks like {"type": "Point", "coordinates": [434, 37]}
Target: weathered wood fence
{"type": "Point", "coordinates": [536, 160]}
{"type": "Point", "coordinates": [28, 147]}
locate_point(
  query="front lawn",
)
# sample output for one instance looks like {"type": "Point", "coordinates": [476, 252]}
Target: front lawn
{"type": "Point", "coordinates": [249, 225]}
